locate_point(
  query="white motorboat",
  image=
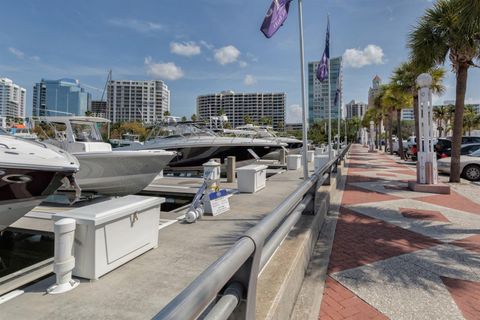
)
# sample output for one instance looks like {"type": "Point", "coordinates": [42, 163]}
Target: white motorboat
{"type": "Point", "coordinates": [103, 171]}
{"type": "Point", "coordinates": [195, 146]}
{"type": "Point", "coordinates": [30, 171]}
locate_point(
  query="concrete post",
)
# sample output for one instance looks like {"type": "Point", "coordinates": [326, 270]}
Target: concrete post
{"type": "Point", "coordinates": [231, 167]}
{"type": "Point", "coordinates": [283, 156]}
{"type": "Point", "coordinates": [427, 158]}
{"type": "Point", "coordinates": [64, 261]}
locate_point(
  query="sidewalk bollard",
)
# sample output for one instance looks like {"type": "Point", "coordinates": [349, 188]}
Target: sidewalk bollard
{"type": "Point", "coordinates": [64, 261]}
{"type": "Point", "coordinates": [231, 167]}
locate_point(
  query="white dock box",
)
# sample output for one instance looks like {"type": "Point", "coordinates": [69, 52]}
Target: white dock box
{"type": "Point", "coordinates": [113, 232]}
{"type": "Point", "coordinates": [320, 161]}
{"type": "Point", "coordinates": [251, 178]}
{"type": "Point", "coordinates": [294, 162]}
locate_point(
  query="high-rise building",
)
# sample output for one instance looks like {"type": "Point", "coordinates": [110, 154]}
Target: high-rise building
{"type": "Point", "coordinates": [59, 98]}
{"type": "Point", "coordinates": [356, 109]}
{"type": "Point", "coordinates": [318, 91]}
{"type": "Point", "coordinates": [407, 114]}
{"type": "Point", "coordinates": [373, 91]}
{"type": "Point", "coordinates": [12, 99]}
{"type": "Point", "coordinates": [137, 100]}
{"type": "Point", "coordinates": [99, 108]}
{"type": "Point", "coordinates": [237, 106]}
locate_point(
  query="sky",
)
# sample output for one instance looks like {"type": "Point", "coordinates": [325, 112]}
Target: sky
{"type": "Point", "coordinates": [206, 46]}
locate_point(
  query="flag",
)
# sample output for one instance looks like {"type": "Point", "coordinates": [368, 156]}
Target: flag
{"type": "Point", "coordinates": [322, 70]}
{"type": "Point", "coordinates": [276, 15]}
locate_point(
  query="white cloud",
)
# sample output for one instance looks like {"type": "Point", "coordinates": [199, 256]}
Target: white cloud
{"type": "Point", "coordinates": [207, 45]}
{"type": "Point", "coordinates": [186, 49]}
{"type": "Point", "coordinates": [16, 52]}
{"type": "Point", "coordinates": [294, 114]}
{"type": "Point", "coordinates": [136, 25]}
{"type": "Point", "coordinates": [242, 64]}
{"type": "Point", "coordinates": [167, 70]}
{"type": "Point", "coordinates": [226, 55]}
{"type": "Point", "coordinates": [249, 80]}
{"type": "Point", "coordinates": [22, 55]}
{"type": "Point", "coordinates": [357, 58]}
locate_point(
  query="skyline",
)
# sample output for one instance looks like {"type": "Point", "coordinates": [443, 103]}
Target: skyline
{"type": "Point", "coordinates": [211, 47]}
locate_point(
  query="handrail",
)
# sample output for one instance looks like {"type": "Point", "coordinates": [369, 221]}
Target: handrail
{"type": "Point", "coordinates": [237, 269]}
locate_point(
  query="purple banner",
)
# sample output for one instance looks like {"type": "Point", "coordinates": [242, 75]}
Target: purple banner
{"type": "Point", "coordinates": [276, 15]}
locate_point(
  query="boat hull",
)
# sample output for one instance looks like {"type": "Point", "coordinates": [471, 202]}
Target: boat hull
{"type": "Point", "coordinates": [195, 157]}
{"type": "Point", "coordinates": [119, 173]}
{"type": "Point", "coordinates": [23, 189]}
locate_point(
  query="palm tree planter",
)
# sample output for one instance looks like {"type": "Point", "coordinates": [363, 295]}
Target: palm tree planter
{"type": "Point", "coordinates": [449, 29]}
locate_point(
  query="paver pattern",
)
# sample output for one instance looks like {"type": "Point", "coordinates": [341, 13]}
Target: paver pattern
{"type": "Point", "coordinates": [399, 254]}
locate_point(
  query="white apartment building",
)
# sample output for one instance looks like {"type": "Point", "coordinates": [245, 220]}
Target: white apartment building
{"type": "Point", "coordinates": [356, 109]}
{"type": "Point", "coordinates": [238, 105]}
{"type": "Point", "coordinates": [137, 100]}
{"type": "Point", "coordinates": [12, 99]}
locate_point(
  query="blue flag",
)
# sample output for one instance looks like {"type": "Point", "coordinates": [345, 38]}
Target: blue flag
{"type": "Point", "coordinates": [322, 71]}
{"type": "Point", "coordinates": [276, 15]}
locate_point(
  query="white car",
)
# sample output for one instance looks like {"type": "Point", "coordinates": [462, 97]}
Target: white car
{"type": "Point", "coordinates": [469, 166]}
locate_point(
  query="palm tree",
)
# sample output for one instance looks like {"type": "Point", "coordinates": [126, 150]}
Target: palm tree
{"type": "Point", "coordinates": [405, 77]}
{"type": "Point", "coordinates": [440, 114]}
{"type": "Point", "coordinates": [396, 99]}
{"type": "Point", "coordinates": [380, 113]}
{"type": "Point", "coordinates": [470, 119]}
{"type": "Point", "coordinates": [449, 30]}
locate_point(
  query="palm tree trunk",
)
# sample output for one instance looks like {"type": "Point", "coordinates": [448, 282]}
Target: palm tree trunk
{"type": "Point", "coordinates": [390, 133]}
{"type": "Point", "coordinates": [399, 134]}
{"type": "Point", "coordinates": [461, 88]}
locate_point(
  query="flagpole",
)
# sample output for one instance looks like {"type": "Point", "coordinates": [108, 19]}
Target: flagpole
{"type": "Point", "coordinates": [329, 115]}
{"type": "Point", "coordinates": [339, 109]}
{"type": "Point", "coordinates": [304, 109]}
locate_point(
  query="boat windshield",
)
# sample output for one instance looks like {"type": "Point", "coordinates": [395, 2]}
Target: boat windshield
{"type": "Point", "coordinates": [85, 131]}
{"type": "Point", "coordinates": [182, 130]}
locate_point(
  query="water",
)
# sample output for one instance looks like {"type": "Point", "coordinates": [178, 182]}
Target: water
{"type": "Point", "coordinates": [20, 250]}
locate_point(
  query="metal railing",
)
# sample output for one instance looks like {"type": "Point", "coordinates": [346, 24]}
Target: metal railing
{"type": "Point", "coordinates": [232, 278]}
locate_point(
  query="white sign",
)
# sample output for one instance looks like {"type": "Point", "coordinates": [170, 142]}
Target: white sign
{"type": "Point", "coordinates": [219, 205]}
{"type": "Point", "coordinates": [217, 202]}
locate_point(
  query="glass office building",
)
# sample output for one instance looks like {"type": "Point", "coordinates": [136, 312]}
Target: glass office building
{"type": "Point", "coordinates": [62, 97]}
{"type": "Point", "coordinates": [318, 91]}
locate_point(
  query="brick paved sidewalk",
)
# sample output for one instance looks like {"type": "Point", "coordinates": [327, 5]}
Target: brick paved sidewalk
{"type": "Point", "coordinates": [399, 254]}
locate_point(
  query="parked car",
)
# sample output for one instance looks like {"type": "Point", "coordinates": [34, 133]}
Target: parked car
{"type": "Point", "coordinates": [396, 146]}
{"type": "Point", "coordinates": [465, 149]}
{"type": "Point", "coordinates": [469, 166]}
{"type": "Point", "coordinates": [444, 145]}
{"type": "Point", "coordinates": [412, 147]}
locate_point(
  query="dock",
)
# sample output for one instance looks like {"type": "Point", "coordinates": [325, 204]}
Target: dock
{"type": "Point", "coordinates": [140, 288]}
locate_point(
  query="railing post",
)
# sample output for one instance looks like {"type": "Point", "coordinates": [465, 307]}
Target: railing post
{"type": "Point", "coordinates": [247, 275]}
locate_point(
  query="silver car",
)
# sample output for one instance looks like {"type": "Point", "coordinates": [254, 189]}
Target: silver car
{"type": "Point", "coordinates": [469, 166]}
